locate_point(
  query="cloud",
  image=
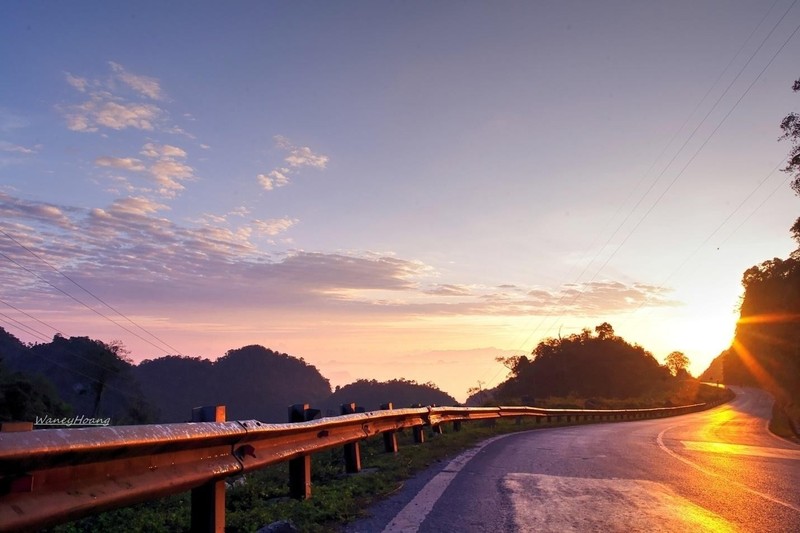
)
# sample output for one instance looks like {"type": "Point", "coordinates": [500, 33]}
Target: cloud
{"type": "Point", "coordinates": [273, 226]}
{"type": "Point", "coordinates": [81, 84]}
{"type": "Point", "coordinates": [144, 85]}
{"type": "Point", "coordinates": [90, 115]}
{"type": "Point", "coordinates": [130, 249]}
{"type": "Point", "coordinates": [125, 163]}
{"type": "Point", "coordinates": [162, 151]}
{"type": "Point", "coordinates": [166, 171]}
{"type": "Point", "coordinates": [12, 208]}
{"type": "Point", "coordinates": [136, 206]}
{"type": "Point", "coordinates": [168, 175]}
{"type": "Point", "coordinates": [297, 157]}
{"type": "Point", "coordinates": [18, 149]}
{"type": "Point", "coordinates": [275, 178]}
{"type": "Point", "coordinates": [449, 290]}
{"type": "Point", "coordinates": [300, 156]}
{"type": "Point", "coordinates": [108, 108]}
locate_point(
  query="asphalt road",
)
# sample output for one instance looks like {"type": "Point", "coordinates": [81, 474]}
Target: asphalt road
{"type": "Point", "coordinates": [719, 470]}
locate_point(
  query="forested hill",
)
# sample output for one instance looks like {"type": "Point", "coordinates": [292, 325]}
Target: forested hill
{"type": "Point", "coordinates": [82, 376]}
{"type": "Point", "coordinates": [593, 369]}
{"type": "Point", "coordinates": [766, 348]}
{"type": "Point", "coordinates": [252, 382]}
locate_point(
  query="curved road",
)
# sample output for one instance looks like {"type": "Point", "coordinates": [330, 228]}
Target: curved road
{"type": "Point", "coordinates": [719, 470]}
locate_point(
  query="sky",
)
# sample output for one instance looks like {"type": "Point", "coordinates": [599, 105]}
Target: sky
{"type": "Point", "coordinates": [391, 189]}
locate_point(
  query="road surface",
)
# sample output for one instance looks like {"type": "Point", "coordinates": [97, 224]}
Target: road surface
{"type": "Point", "coordinates": [719, 470]}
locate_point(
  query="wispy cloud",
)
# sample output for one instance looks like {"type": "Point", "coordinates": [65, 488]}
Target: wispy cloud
{"type": "Point", "coordinates": [101, 111]}
{"type": "Point", "coordinates": [275, 178]}
{"type": "Point", "coordinates": [125, 163]}
{"type": "Point", "coordinates": [274, 226]}
{"type": "Point", "coordinates": [144, 85]}
{"type": "Point", "coordinates": [165, 169]}
{"type": "Point", "coordinates": [108, 107]}
{"type": "Point", "coordinates": [296, 158]}
{"type": "Point", "coordinates": [300, 156]}
{"type": "Point", "coordinates": [81, 84]}
{"type": "Point", "coordinates": [219, 265]}
{"type": "Point", "coordinates": [19, 149]}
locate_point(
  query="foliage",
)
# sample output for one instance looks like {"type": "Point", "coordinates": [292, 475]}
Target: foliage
{"type": "Point", "coordinates": [252, 382]}
{"type": "Point", "coordinates": [766, 347]}
{"type": "Point", "coordinates": [262, 497]}
{"type": "Point", "coordinates": [92, 377]}
{"type": "Point", "coordinates": [791, 131]}
{"type": "Point", "coordinates": [23, 398]}
{"type": "Point", "coordinates": [677, 363]}
{"type": "Point", "coordinates": [584, 365]}
{"type": "Point", "coordinates": [371, 394]}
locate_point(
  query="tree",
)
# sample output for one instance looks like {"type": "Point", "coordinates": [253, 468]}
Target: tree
{"type": "Point", "coordinates": [791, 130]}
{"type": "Point", "coordinates": [676, 362]}
{"type": "Point", "coordinates": [604, 331]}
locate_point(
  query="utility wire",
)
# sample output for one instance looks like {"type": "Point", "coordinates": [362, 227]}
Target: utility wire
{"type": "Point", "coordinates": [697, 152]}
{"type": "Point", "coordinates": [24, 328]}
{"type": "Point", "coordinates": [660, 175]}
{"type": "Point", "coordinates": [17, 309]}
{"type": "Point", "coordinates": [87, 291]}
{"type": "Point", "coordinates": [81, 302]}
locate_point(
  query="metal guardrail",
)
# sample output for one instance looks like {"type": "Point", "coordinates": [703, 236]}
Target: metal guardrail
{"type": "Point", "coordinates": [52, 476]}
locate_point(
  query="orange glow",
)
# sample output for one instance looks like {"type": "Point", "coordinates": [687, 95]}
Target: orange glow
{"type": "Point", "coordinates": [770, 318]}
{"type": "Point", "coordinates": [756, 370]}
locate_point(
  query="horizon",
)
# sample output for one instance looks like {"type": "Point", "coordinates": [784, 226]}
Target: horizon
{"type": "Point", "coordinates": [405, 199]}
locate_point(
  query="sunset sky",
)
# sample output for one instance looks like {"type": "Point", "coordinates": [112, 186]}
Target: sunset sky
{"type": "Point", "coordinates": [391, 189]}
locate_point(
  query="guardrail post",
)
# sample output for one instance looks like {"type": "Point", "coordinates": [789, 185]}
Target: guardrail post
{"type": "Point", "coordinates": [208, 501]}
{"type": "Point", "coordinates": [418, 431]}
{"type": "Point", "coordinates": [389, 437]}
{"type": "Point", "coordinates": [299, 468]}
{"type": "Point", "coordinates": [352, 451]}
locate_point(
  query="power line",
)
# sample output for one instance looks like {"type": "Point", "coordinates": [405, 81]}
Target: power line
{"type": "Point", "coordinates": [719, 99]}
{"type": "Point", "coordinates": [31, 316]}
{"type": "Point", "coordinates": [26, 329]}
{"type": "Point", "coordinates": [697, 152]}
{"type": "Point", "coordinates": [87, 291]}
{"type": "Point", "coordinates": [81, 302]}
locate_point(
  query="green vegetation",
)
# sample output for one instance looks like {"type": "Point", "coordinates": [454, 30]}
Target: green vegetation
{"type": "Point", "coordinates": [371, 394]}
{"type": "Point", "coordinates": [766, 347]}
{"type": "Point", "coordinates": [599, 369]}
{"type": "Point", "coordinates": [262, 497]}
{"type": "Point", "coordinates": [252, 382]}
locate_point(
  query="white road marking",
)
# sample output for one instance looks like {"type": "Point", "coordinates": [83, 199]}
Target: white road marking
{"type": "Point", "coordinates": [414, 513]}
{"type": "Point", "coordinates": [660, 441]}
{"type": "Point", "coordinates": [741, 449]}
{"type": "Point", "coordinates": [563, 504]}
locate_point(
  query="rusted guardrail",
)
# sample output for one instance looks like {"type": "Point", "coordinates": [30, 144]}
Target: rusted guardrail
{"type": "Point", "coordinates": [51, 476]}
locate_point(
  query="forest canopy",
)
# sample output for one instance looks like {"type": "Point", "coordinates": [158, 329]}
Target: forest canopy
{"type": "Point", "coordinates": [585, 365]}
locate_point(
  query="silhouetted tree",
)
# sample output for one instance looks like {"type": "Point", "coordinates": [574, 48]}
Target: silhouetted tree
{"type": "Point", "coordinates": [791, 131]}
{"type": "Point", "coordinates": [371, 394]}
{"type": "Point", "coordinates": [677, 363]}
{"type": "Point", "coordinates": [585, 365]}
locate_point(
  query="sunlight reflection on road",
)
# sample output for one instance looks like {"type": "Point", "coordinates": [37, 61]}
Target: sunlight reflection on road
{"type": "Point", "coordinates": [555, 503]}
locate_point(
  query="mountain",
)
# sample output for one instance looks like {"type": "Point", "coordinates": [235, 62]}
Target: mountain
{"type": "Point", "coordinates": [94, 378]}
{"type": "Point", "coordinates": [252, 382]}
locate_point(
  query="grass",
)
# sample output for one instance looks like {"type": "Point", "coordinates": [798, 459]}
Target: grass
{"type": "Point", "coordinates": [262, 497]}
